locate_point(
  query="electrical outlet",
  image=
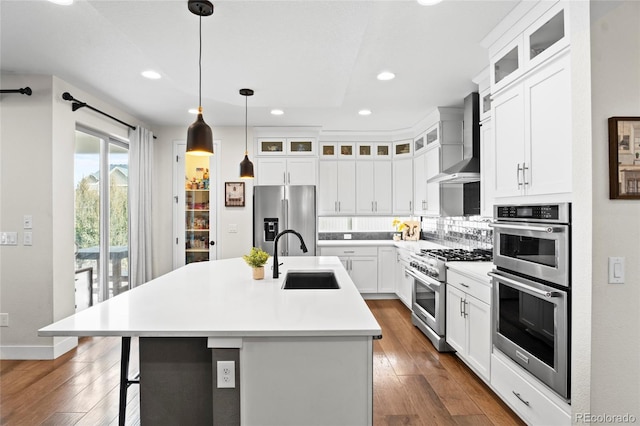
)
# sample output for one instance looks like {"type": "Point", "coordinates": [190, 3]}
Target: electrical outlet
{"type": "Point", "coordinates": [226, 374]}
{"type": "Point", "coordinates": [4, 320]}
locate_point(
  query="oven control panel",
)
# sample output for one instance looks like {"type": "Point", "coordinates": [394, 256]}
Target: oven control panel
{"type": "Point", "coordinates": [554, 213]}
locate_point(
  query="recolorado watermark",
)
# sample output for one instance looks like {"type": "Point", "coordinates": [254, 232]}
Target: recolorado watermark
{"type": "Point", "coordinates": [605, 418]}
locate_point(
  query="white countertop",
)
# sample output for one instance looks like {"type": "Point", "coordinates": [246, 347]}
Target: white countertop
{"type": "Point", "coordinates": [220, 299]}
{"type": "Point", "coordinates": [413, 246]}
{"type": "Point", "coordinates": [477, 270]}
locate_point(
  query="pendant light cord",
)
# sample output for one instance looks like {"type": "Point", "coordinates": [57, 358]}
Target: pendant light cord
{"type": "Point", "coordinates": [245, 126]}
{"type": "Point", "coordinates": [200, 65]}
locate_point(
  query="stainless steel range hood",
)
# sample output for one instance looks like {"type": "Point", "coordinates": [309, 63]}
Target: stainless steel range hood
{"type": "Point", "coordinates": [467, 170]}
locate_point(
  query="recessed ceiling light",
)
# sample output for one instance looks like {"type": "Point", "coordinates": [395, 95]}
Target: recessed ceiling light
{"type": "Point", "coordinates": [277, 112]}
{"type": "Point", "coordinates": [428, 2]}
{"type": "Point", "coordinates": [386, 75]}
{"type": "Point", "coordinates": [62, 2]}
{"type": "Point", "coordinates": [151, 74]}
{"type": "Point", "coordinates": [364, 112]}
{"type": "Point", "coordinates": [193, 111]}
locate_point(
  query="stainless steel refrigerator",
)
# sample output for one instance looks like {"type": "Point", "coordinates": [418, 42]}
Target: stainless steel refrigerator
{"type": "Point", "coordinates": [280, 207]}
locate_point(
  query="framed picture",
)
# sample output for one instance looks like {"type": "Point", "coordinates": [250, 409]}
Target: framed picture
{"type": "Point", "coordinates": [234, 194]}
{"type": "Point", "coordinates": [624, 158]}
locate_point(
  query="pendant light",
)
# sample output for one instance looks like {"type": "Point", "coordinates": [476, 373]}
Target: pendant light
{"type": "Point", "coordinates": [246, 166]}
{"type": "Point", "coordinates": [199, 135]}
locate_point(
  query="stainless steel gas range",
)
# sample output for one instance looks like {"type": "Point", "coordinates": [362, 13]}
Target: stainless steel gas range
{"type": "Point", "coordinates": [429, 271]}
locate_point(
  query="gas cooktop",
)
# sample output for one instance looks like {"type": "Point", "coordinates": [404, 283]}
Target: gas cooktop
{"type": "Point", "coordinates": [451, 255]}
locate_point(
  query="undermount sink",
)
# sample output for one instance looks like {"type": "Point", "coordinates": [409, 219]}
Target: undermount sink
{"type": "Point", "coordinates": [310, 280]}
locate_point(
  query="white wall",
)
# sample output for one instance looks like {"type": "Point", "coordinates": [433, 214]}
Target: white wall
{"type": "Point", "coordinates": [582, 208]}
{"type": "Point", "coordinates": [231, 153]}
{"type": "Point", "coordinates": [36, 177]}
{"type": "Point", "coordinates": [615, 322]}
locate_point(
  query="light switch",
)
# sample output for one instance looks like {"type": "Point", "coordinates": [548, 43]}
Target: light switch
{"type": "Point", "coordinates": [233, 228]}
{"type": "Point", "coordinates": [27, 238]}
{"type": "Point", "coordinates": [9, 238]}
{"type": "Point", "coordinates": [616, 270]}
{"type": "Point", "coordinates": [27, 221]}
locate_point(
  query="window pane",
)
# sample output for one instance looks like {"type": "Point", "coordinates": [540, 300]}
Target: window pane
{"type": "Point", "coordinates": [118, 218]}
{"type": "Point", "coordinates": [87, 204]}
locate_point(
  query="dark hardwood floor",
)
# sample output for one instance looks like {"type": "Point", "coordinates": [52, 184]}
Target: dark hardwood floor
{"type": "Point", "coordinates": [413, 383]}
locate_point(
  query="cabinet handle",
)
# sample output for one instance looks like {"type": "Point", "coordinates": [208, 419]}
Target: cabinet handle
{"type": "Point", "coordinates": [461, 307]}
{"type": "Point", "coordinates": [465, 303]}
{"type": "Point", "coordinates": [348, 251]}
{"type": "Point", "coordinates": [520, 398]}
{"type": "Point", "coordinates": [372, 209]}
{"type": "Point", "coordinates": [464, 285]}
{"type": "Point", "coordinates": [524, 176]}
{"type": "Point", "coordinates": [335, 206]}
{"type": "Point", "coordinates": [518, 175]}
{"type": "Point", "coordinates": [288, 177]}
{"type": "Point", "coordinates": [376, 206]}
{"type": "Point", "coordinates": [339, 207]}
{"type": "Point", "coordinates": [410, 205]}
{"type": "Point", "coordinates": [284, 177]}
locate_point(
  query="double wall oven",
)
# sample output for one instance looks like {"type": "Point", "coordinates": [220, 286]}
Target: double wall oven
{"type": "Point", "coordinates": [532, 289]}
{"type": "Point", "coordinates": [428, 269]}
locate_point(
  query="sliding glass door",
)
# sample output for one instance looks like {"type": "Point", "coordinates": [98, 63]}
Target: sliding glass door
{"type": "Point", "coordinates": [101, 170]}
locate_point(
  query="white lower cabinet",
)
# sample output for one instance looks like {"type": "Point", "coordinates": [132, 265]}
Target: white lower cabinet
{"type": "Point", "coordinates": [468, 321]}
{"type": "Point", "coordinates": [534, 403]}
{"type": "Point", "coordinates": [360, 262]}
{"type": "Point", "coordinates": [386, 269]}
{"type": "Point", "coordinates": [403, 281]}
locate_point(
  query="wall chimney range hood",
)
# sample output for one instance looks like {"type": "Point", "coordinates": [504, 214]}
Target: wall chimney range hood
{"type": "Point", "coordinates": [467, 170]}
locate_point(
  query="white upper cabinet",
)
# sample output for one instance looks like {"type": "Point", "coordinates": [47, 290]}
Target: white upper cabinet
{"type": "Point", "coordinates": [337, 188]}
{"type": "Point", "coordinates": [373, 187]}
{"type": "Point", "coordinates": [538, 36]}
{"type": "Point", "coordinates": [286, 146]}
{"type": "Point", "coordinates": [532, 131]}
{"type": "Point", "coordinates": [286, 171]}
{"type": "Point", "coordinates": [531, 107]}
{"type": "Point", "coordinates": [420, 184]}
{"type": "Point", "coordinates": [403, 149]}
{"type": "Point", "coordinates": [373, 150]}
{"type": "Point", "coordinates": [403, 187]}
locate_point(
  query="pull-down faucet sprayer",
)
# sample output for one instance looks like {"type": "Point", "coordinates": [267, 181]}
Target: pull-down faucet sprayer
{"type": "Point", "coordinates": [303, 247]}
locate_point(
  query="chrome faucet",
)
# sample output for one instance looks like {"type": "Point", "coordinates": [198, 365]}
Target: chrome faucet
{"type": "Point", "coordinates": [303, 247]}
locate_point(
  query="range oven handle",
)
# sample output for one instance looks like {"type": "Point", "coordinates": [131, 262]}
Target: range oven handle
{"type": "Point", "coordinates": [547, 229]}
{"type": "Point", "coordinates": [429, 283]}
{"type": "Point", "coordinates": [525, 288]}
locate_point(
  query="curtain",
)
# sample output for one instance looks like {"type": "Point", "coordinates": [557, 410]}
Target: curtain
{"type": "Point", "coordinates": [140, 184]}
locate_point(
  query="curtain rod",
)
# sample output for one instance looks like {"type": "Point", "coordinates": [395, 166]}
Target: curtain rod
{"type": "Point", "coordinates": [77, 104]}
{"type": "Point", "coordinates": [25, 91]}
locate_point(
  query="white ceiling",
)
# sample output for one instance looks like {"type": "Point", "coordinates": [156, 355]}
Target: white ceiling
{"type": "Point", "coordinates": [315, 59]}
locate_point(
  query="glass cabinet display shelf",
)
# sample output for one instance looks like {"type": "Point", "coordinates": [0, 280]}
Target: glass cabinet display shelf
{"type": "Point", "coordinates": [197, 209]}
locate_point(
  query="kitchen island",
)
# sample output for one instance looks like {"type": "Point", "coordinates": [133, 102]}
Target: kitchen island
{"type": "Point", "coordinates": [300, 356]}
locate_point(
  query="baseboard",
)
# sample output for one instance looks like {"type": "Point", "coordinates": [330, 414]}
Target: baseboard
{"type": "Point", "coordinates": [38, 352]}
{"type": "Point", "coordinates": [379, 296]}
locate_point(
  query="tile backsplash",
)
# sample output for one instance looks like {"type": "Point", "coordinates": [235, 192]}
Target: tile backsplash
{"type": "Point", "coordinates": [470, 232]}
{"type": "Point", "coordinates": [458, 232]}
